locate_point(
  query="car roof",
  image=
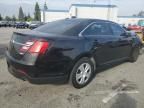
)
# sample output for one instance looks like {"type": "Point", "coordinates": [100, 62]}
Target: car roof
{"type": "Point", "coordinates": [88, 19]}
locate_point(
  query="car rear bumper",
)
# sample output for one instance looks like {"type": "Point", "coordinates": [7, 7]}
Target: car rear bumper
{"type": "Point", "coordinates": [28, 73]}
{"type": "Point", "coordinates": [39, 80]}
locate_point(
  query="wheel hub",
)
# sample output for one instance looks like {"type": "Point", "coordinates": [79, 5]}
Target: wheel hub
{"type": "Point", "coordinates": [83, 73]}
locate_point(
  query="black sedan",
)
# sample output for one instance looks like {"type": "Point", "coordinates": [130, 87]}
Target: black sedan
{"type": "Point", "coordinates": [69, 50]}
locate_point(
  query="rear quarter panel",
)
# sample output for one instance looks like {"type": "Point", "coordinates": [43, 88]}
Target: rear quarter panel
{"type": "Point", "coordinates": [63, 53]}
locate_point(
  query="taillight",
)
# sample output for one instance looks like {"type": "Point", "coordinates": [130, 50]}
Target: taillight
{"type": "Point", "coordinates": [26, 47]}
{"type": "Point", "coordinates": [37, 46]}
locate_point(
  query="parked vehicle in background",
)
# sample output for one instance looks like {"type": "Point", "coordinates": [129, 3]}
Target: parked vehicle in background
{"type": "Point", "coordinates": [11, 23]}
{"type": "Point", "coordinates": [141, 23]}
{"type": "Point", "coordinates": [69, 50]}
{"type": "Point", "coordinates": [1, 24]}
{"type": "Point", "coordinates": [21, 25]}
{"type": "Point", "coordinates": [4, 24]}
{"type": "Point", "coordinates": [16, 24]}
{"type": "Point", "coordinates": [140, 31]}
{"type": "Point", "coordinates": [135, 28]}
{"type": "Point", "coordinates": [7, 23]}
{"type": "Point", "coordinates": [35, 24]}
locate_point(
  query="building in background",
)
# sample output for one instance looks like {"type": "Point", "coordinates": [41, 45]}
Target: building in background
{"type": "Point", "coordinates": [106, 12]}
{"type": "Point", "coordinates": [129, 20]}
{"type": "Point", "coordinates": [53, 15]}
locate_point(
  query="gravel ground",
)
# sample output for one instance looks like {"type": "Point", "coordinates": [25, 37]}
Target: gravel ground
{"type": "Point", "coordinates": [15, 93]}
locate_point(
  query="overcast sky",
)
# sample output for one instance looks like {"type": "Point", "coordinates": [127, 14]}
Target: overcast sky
{"type": "Point", "coordinates": [126, 7]}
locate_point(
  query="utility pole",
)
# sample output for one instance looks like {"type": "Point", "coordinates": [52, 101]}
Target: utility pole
{"type": "Point", "coordinates": [44, 11]}
{"type": "Point", "coordinates": [43, 16]}
{"type": "Point", "coordinates": [109, 10]}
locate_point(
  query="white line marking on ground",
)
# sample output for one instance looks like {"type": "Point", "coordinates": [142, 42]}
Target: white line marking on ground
{"type": "Point", "coordinates": [109, 91]}
{"type": "Point", "coordinates": [128, 92]}
{"type": "Point", "coordinates": [109, 97]}
{"type": "Point", "coordinates": [116, 92]}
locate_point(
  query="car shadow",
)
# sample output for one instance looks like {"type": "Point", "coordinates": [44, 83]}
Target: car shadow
{"type": "Point", "coordinates": [124, 101]}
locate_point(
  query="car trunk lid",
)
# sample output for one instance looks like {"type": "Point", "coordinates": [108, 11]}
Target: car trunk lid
{"type": "Point", "coordinates": [22, 43]}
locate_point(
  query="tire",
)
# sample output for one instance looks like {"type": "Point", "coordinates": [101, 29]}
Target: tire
{"type": "Point", "coordinates": [75, 79]}
{"type": "Point", "coordinates": [135, 54]}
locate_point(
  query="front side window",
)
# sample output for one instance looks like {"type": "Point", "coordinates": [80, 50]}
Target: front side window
{"type": "Point", "coordinates": [117, 30]}
{"type": "Point", "coordinates": [98, 29]}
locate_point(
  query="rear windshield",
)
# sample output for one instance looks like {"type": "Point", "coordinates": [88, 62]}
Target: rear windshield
{"type": "Point", "coordinates": [63, 27]}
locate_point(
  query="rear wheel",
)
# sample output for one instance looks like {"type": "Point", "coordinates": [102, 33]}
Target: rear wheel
{"type": "Point", "coordinates": [82, 73]}
{"type": "Point", "coordinates": [134, 55]}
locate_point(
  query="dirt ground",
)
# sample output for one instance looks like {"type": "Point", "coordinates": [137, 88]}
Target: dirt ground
{"type": "Point", "coordinates": [102, 92]}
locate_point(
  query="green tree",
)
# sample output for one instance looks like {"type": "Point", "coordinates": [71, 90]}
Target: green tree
{"type": "Point", "coordinates": [14, 18]}
{"type": "Point", "coordinates": [21, 14]}
{"type": "Point", "coordinates": [45, 6]}
{"type": "Point", "coordinates": [25, 17]}
{"type": "Point", "coordinates": [29, 16]}
{"type": "Point", "coordinates": [141, 13]}
{"type": "Point", "coordinates": [7, 18]}
{"type": "Point", "coordinates": [1, 18]}
{"type": "Point", "coordinates": [30, 19]}
{"type": "Point", "coordinates": [37, 14]}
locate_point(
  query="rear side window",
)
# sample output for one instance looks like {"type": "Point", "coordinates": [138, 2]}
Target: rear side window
{"type": "Point", "coordinates": [76, 29]}
{"type": "Point", "coordinates": [63, 27]}
{"type": "Point", "coordinates": [98, 29]}
{"type": "Point", "coordinates": [117, 30]}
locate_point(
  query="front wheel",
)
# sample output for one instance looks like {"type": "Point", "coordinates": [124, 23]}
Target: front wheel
{"type": "Point", "coordinates": [134, 55]}
{"type": "Point", "coordinates": [82, 73]}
